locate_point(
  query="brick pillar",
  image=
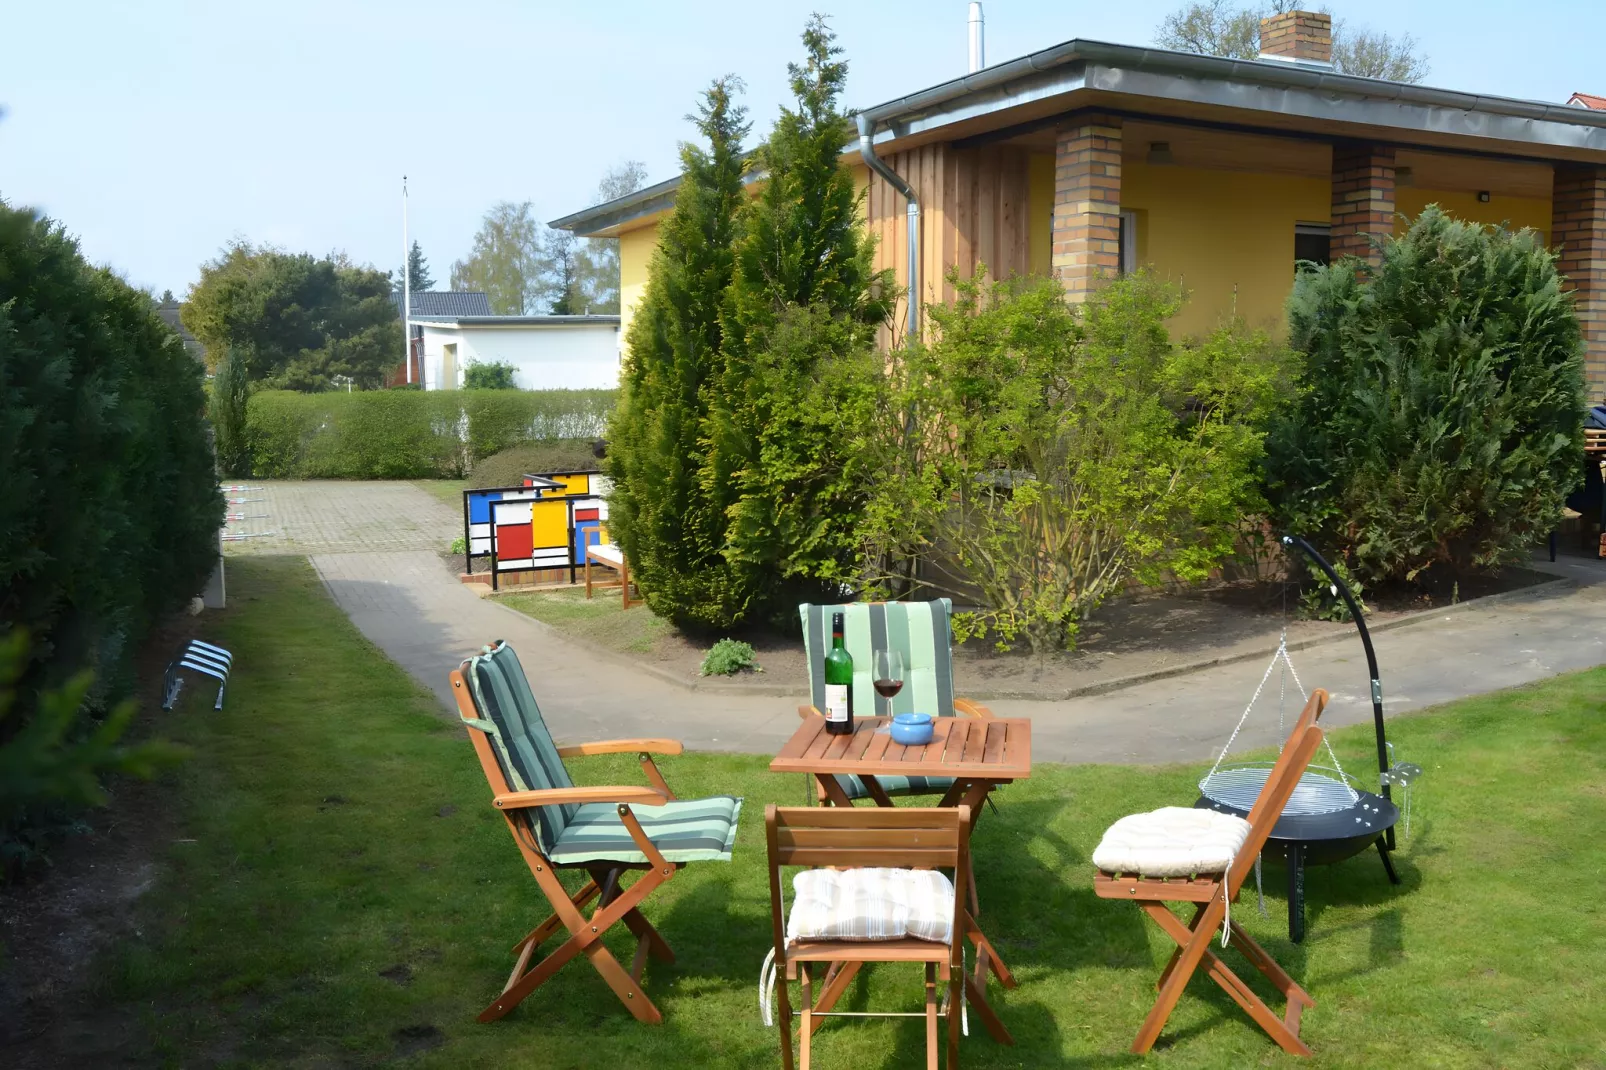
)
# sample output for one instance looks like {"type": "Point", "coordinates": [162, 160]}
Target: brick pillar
{"type": "Point", "coordinates": [1578, 228]}
{"type": "Point", "coordinates": [1363, 198]}
{"type": "Point", "coordinates": [1087, 203]}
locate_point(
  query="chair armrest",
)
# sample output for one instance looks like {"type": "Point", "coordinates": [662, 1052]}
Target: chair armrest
{"type": "Point", "coordinates": [805, 712]}
{"type": "Point", "coordinates": [972, 709]}
{"type": "Point", "coordinates": [521, 800]}
{"type": "Point", "coordinates": [621, 746]}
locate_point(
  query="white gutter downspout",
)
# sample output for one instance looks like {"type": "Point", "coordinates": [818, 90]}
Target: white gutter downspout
{"type": "Point", "coordinates": [879, 166]}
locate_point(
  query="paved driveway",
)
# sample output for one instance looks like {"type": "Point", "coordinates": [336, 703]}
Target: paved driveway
{"type": "Point", "coordinates": [377, 545]}
{"type": "Point", "coordinates": [337, 517]}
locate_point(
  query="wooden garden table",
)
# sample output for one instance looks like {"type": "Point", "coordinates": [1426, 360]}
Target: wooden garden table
{"type": "Point", "coordinates": [980, 753]}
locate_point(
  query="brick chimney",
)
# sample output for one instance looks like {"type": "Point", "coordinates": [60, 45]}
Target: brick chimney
{"type": "Point", "coordinates": [1301, 36]}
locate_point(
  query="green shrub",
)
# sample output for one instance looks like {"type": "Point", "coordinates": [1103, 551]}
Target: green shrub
{"type": "Point", "coordinates": [57, 756]}
{"type": "Point", "coordinates": [663, 511]}
{"type": "Point", "coordinates": [506, 469]}
{"type": "Point", "coordinates": [729, 657]}
{"type": "Point", "coordinates": [109, 503]}
{"type": "Point", "coordinates": [230, 395]}
{"type": "Point", "coordinates": [1440, 422]}
{"type": "Point", "coordinates": [497, 375]}
{"type": "Point", "coordinates": [803, 307]}
{"type": "Point", "coordinates": [1040, 456]}
{"type": "Point", "coordinates": [387, 434]}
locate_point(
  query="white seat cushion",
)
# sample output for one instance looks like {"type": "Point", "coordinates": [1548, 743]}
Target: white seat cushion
{"type": "Point", "coordinates": [1173, 841]}
{"type": "Point", "coordinates": [871, 904]}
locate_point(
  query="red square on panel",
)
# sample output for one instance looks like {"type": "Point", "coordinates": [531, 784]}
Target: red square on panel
{"type": "Point", "coordinates": [513, 542]}
{"type": "Point", "coordinates": [585, 514]}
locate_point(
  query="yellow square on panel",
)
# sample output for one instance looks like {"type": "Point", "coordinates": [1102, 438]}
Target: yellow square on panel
{"type": "Point", "coordinates": [573, 482]}
{"type": "Point", "coordinates": [549, 524]}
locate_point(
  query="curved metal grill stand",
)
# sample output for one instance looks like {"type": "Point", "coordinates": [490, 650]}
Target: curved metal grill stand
{"type": "Point", "coordinates": [1320, 833]}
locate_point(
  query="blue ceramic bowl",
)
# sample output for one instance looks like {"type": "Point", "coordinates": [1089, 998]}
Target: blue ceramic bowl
{"type": "Point", "coordinates": [911, 729]}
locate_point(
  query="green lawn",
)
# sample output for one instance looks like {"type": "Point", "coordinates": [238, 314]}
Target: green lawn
{"type": "Point", "coordinates": [597, 620]}
{"type": "Point", "coordinates": [449, 491]}
{"type": "Point", "coordinates": [350, 896]}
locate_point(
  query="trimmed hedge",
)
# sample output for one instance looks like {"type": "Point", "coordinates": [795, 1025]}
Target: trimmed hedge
{"type": "Point", "coordinates": [109, 502]}
{"type": "Point", "coordinates": [409, 434]}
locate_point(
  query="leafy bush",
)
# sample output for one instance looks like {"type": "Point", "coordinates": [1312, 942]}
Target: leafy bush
{"type": "Point", "coordinates": [109, 503]}
{"type": "Point", "coordinates": [1039, 456]}
{"type": "Point", "coordinates": [729, 657]}
{"type": "Point", "coordinates": [459, 546]}
{"type": "Point", "coordinates": [57, 757]}
{"type": "Point", "coordinates": [1441, 417]}
{"type": "Point", "coordinates": [506, 469]}
{"type": "Point", "coordinates": [385, 434]}
{"type": "Point", "coordinates": [497, 375]}
{"type": "Point", "coordinates": [231, 393]}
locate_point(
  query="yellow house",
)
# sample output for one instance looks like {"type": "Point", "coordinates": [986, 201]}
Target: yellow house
{"type": "Point", "coordinates": [1087, 159]}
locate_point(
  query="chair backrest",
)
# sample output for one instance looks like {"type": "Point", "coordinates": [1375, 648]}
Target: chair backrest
{"type": "Point", "coordinates": [855, 836]}
{"type": "Point", "coordinates": [1279, 786]}
{"type": "Point", "coordinates": [921, 630]}
{"type": "Point", "coordinates": [507, 714]}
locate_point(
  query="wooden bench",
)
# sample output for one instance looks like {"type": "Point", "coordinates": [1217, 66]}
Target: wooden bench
{"type": "Point", "coordinates": [611, 556]}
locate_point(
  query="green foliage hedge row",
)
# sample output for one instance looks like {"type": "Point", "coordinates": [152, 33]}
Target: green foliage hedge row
{"type": "Point", "coordinates": [409, 434]}
{"type": "Point", "coordinates": [109, 502]}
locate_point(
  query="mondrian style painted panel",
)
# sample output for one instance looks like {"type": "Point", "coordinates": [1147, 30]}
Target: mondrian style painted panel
{"type": "Point", "coordinates": [546, 523]}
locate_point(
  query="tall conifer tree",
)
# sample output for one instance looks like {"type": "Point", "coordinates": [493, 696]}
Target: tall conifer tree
{"type": "Point", "coordinates": [661, 513]}
{"type": "Point", "coordinates": [800, 322]}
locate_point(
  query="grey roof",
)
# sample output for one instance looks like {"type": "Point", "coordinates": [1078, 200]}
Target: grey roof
{"type": "Point", "coordinates": [430, 304]}
{"type": "Point", "coordinates": [170, 314]}
{"type": "Point", "coordinates": [517, 321]}
{"type": "Point", "coordinates": [1292, 90]}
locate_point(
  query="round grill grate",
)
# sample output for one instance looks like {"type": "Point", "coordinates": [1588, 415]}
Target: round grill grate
{"type": "Point", "coordinates": [1238, 786]}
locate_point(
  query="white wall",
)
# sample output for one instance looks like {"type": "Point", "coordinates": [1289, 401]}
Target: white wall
{"type": "Point", "coordinates": [572, 356]}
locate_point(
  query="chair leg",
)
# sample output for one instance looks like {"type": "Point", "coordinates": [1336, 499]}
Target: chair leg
{"type": "Point", "coordinates": [1285, 1031]}
{"type": "Point", "coordinates": [931, 1016]}
{"type": "Point", "coordinates": [955, 987]}
{"type": "Point", "coordinates": [1194, 946]}
{"type": "Point", "coordinates": [806, 1010]}
{"type": "Point", "coordinates": [783, 1015]}
{"type": "Point", "coordinates": [837, 979]}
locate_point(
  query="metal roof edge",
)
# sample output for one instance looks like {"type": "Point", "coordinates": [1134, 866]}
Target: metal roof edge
{"type": "Point", "coordinates": [1014, 81]}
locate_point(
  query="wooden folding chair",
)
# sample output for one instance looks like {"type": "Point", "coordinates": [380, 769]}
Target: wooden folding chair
{"type": "Point", "coordinates": [879, 837]}
{"type": "Point", "coordinates": [923, 633]}
{"type": "Point", "coordinates": [596, 830]}
{"type": "Point", "coordinates": [1210, 894]}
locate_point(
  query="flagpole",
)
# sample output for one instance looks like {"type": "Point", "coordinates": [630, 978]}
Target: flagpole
{"type": "Point", "coordinates": [407, 286]}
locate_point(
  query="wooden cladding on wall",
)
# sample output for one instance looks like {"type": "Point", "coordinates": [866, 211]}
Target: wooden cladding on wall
{"type": "Point", "coordinates": [972, 211]}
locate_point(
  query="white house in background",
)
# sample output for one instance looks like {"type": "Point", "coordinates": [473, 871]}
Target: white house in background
{"type": "Point", "coordinates": [546, 352]}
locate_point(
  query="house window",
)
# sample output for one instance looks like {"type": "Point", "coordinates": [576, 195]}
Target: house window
{"type": "Point", "coordinates": [1129, 242]}
{"type": "Point", "coordinates": [1313, 243]}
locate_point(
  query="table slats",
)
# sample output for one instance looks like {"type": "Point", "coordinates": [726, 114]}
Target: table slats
{"type": "Point", "coordinates": [996, 749]}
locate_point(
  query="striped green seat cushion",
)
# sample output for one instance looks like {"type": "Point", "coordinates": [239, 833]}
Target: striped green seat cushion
{"type": "Point", "coordinates": [921, 630]}
{"type": "Point", "coordinates": [691, 830]}
{"type": "Point", "coordinates": [519, 736]}
{"type": "Point", "coordinates": [897, 785]}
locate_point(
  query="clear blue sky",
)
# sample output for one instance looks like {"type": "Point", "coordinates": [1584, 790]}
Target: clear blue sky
{"type": "Point", "coordinates": [158, 130]}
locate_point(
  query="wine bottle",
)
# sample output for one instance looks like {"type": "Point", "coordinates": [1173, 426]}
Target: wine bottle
{"type": "Point", "coordinates": [838, 683]}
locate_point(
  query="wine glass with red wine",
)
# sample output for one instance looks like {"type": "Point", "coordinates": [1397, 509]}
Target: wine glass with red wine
{"type": "Point", "coordinates": [888, 676]}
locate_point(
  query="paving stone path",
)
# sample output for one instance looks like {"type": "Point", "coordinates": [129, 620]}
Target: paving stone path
{"type": "Point", "coordinates": [389, 578]}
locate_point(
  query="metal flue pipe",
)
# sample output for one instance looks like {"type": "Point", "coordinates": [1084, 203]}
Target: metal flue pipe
{"type": "Point", "coordinates": [879, 166]}
{"type": "Point", "coordinates": [978, 39]}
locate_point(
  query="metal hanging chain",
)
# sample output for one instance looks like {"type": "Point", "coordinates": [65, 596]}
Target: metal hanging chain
{"type": "Point", "coordinates": [1288, 667]}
